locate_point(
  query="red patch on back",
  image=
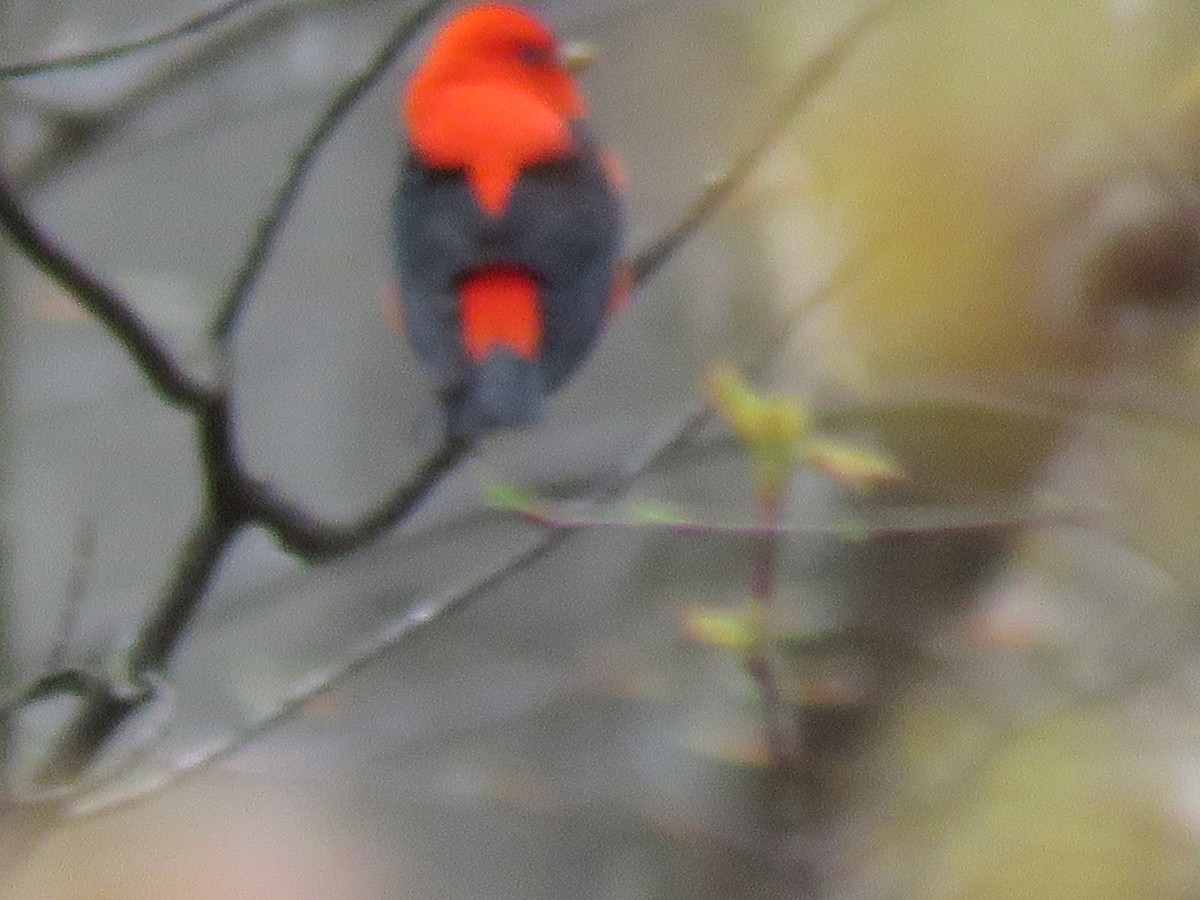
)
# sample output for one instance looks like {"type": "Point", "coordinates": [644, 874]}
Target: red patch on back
{"type": "Point", "coordinates": [499, 308]}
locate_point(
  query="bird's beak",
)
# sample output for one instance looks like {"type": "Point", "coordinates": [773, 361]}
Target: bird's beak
{"type": "Point", "coordinates": [576, 55]}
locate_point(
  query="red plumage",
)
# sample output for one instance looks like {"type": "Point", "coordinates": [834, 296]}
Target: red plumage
{"type": "Point", "coordinates": [507, 222]}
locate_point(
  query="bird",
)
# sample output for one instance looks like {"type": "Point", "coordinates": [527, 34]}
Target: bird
{"type": "Point", "coordinates": [508, 220]}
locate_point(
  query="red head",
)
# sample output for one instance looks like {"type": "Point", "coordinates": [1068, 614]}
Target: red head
{"type": "Point", "coordinates": [493, 42]}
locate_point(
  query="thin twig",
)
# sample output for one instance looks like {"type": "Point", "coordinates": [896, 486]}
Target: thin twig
{"type": "Point", "coordinates": [300, 534]}
{"type": "Point", "coordinates": [813, 76]}
{"type": "Point", "coordinates": [101, 300]}
{"type": "Point", "coordinates": [899, 521]}
{"type": "Point", "coordinates": [783, 735]}
{"type": "Point", "coordinates": [83, 554]}
{"type": "Point", "coordinates": [86, 58]}
{"type": "Point", "coordinates": [343, 102]}
{"type": "Point", "coordinates": [74, 135]}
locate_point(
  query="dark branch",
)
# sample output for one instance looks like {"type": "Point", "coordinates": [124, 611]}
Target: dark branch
{"type": "Point", "coordinates": [102, 301]}
{"type": "Point", "coordinates": [162, 632]}
{"type": "Point", "coordinates": [299, 533]}
{"type": "Point", "coordinates": [86, 58]}
{"type": "Point", "coordinates": [104, 707]}
{"type": "Point", "coordinates": [234, 499]}
{"type": "Point", "coordinates": [339, 107]}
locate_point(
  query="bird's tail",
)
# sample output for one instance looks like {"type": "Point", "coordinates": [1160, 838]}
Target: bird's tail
{"type": "Point", "coordinates": [501, 322]}
{"type": "Point", "coordinates": [503, 391]}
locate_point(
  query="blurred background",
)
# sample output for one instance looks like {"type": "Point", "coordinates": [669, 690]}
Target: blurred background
{"type": "Point", "coordinates": [993, 666]}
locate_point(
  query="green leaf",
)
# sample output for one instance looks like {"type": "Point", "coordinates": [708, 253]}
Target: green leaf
{"type": "Point", "coordinates": [858, 467]}
{"type": "Point", "coordinates": [510, 497]}
{"type": "Point", "coordinates": [720, 628]}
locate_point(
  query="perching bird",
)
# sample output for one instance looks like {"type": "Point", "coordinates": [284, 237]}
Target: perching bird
{"type": "Point", "coordinates": [507, 220]}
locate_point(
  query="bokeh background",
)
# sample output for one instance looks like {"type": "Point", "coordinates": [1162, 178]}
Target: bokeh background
{"type": "Point", "coordinates": [993, 666]}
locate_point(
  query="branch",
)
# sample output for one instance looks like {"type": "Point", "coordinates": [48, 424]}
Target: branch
{"type": "Point", "coordinates": [900, 520]}
{"type": "Point", "coordinates": [197, 563]}
{"type": "Point", "coordinates": [86, 58]}
{"type": "Point", "coordinates": [300, 534]}
{"type": "Point", "coordinates": [76, 135]}
{"type": "Point", "coordinates": [339, 107]}
{"type": "Point", "coordinates": [113, 311]}
{"type": "Point", "coordinates": [813, 76]}
{"type": "Point", "coordinates": [82, 556]}
{"type": "Point", "coordinates": [422, 613]}
{"type": "Point", "coordinates": [234, 498]}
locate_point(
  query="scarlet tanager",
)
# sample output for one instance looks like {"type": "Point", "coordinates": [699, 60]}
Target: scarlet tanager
{"type": "Point", "coordinates": [507, 221]}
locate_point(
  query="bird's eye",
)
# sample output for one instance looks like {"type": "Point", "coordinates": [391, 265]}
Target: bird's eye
{"type": "Point", "coordinates": [538, 56]}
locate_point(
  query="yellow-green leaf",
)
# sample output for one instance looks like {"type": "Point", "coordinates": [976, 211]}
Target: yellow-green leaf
{"type": "Point", "coordinates": [719, 628]}
{"type": "Point", "coordinates": [858, 467]}
{"type": "Point", "coordinates": [510, 497]}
